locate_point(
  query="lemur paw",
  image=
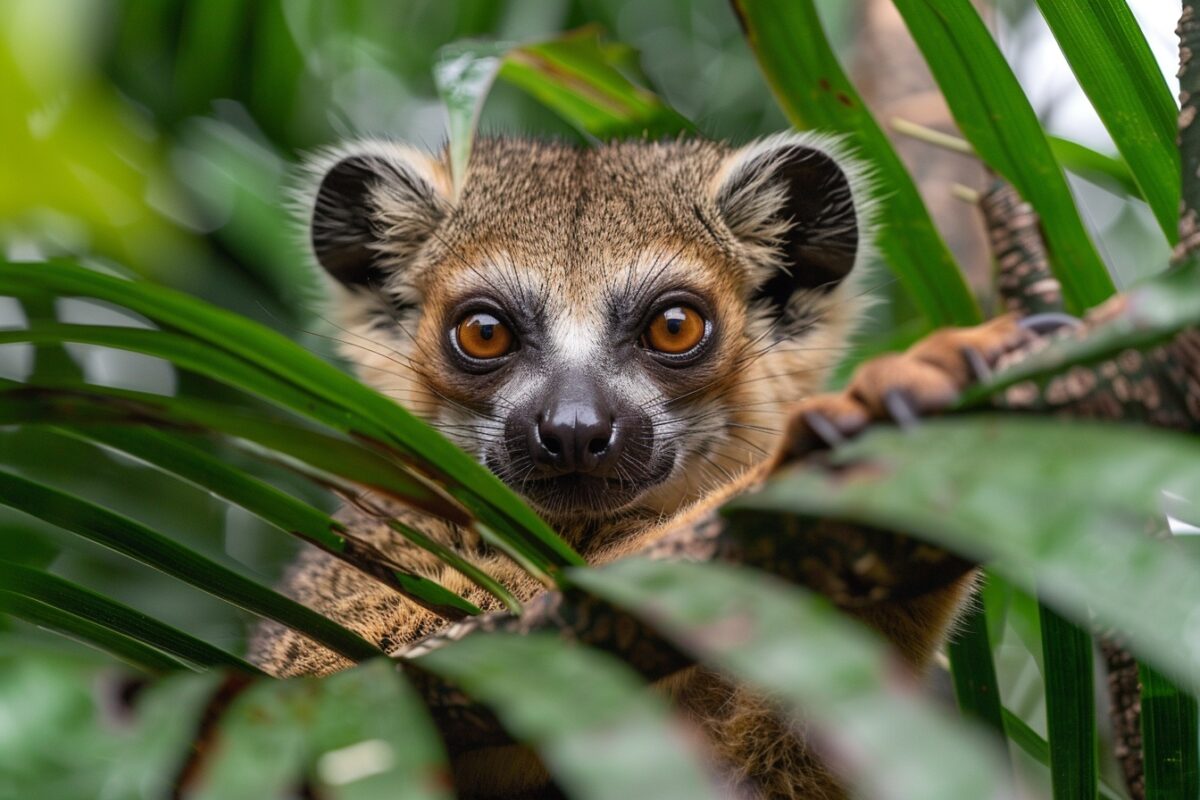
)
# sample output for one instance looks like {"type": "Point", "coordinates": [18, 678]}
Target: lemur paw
{"type": "Point", "coordinates": [925, 379]}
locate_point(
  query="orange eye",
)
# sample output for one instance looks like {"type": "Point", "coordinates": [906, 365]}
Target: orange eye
{"type": "Point", "coordinates": [675, 330]}
{"type": "Point", "coordinates": [480, 335]}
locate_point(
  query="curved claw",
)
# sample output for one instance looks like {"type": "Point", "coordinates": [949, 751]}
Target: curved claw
{"type": "Point", "coordinates": [900, 408]}
{"type": "Point", "coordinates": [978, 365]}
{"type": "Point", "coordinates": [1048, 322]}
{"type": "Point", "coordinates": [825, 430]}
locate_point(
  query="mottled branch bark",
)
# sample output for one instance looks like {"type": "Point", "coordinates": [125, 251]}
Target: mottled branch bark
{"type": "Point", "coordinates": [1189, 131]}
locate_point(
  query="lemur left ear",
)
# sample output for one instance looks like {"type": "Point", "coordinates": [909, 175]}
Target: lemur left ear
{"type": "Point", "coordinates": [375, 205]}
{"type": "Point", "coordinates": [789, 201]}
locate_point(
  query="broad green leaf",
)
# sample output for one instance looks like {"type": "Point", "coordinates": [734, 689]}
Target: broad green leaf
{"type": "Point", "coordinates": [132, 539]}
{"type": "Point", "coordinates": [358, 735]}
{"type": "Point", "coordinates": [113, 618]}
{"type": "Point", "coordinates": [167, 714]}
{"type": "Point", "coordinates": [601, 733]}
{"type": "Point", "coordinates": [814, 92]}
{"type": "Point", "coordinates": [78, 626]}
{"type": "Point", "coordinates": [1170, 749]}
{"type": "Point", "coordinates": [509, 523]}
{"type": "Point", "coordinates": [1070, 705]}
{"type": "Point", "coordinates": [1112, 61]}
{"type": "Point", "coordinates": [1059, 503]}
{"type": "Point", "coordinates": [799, 649]}
{"type": "Point", "coordinates": [996, 117]}
{"type": "Point", "coordinates": [177, 457]}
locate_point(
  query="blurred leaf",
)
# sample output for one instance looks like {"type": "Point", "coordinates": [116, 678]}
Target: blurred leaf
{"type": "Point", "coordinates": [814, 92]}
{"type": "Point", "coordinates": [1058, 503]}
{"type": "Point", "coordinates": [1070, 706]}
{"type": "Point", "coordinates": [1170, 746]}
{"type": "Point", "coordinates": [116, 621]}
{"type": "Point", "coordinates": [138, 542]}
{"type": "Point", "coordinates": [996, 117]}
{"type": "Point", "coordinates": [82, 173]}
{"type": "Point", "coordinates": [580, 77]}
{"type": "Point", "coordinates": [819, 664]}
{"type": "Point", "coordinates": [576, 75]}
{"type": "Point", "coordinates": [614, 740]}
{"type": "Point", "coordinates": [1109, 55]}
{"type": "Point", "coordinates": [358, 735]}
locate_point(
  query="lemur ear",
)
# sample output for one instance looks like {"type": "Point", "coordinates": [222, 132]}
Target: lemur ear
{"type": "Point", "coordinates": [372, 211]}
{"type": "Point", "coordinates": [789, 201]}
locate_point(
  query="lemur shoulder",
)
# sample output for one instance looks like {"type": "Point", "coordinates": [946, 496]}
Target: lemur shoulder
{"type": "Point", "coordinates": [621, 334]}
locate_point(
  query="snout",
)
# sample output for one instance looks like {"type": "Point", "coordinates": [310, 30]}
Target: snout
{"type": "Point", "coordinates": [578, 432]}
{"type": "Point", "coordinates": [586, 449]}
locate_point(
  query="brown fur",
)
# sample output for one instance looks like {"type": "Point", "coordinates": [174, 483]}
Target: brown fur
{"type": "Point", "coordinates": [566, 229]}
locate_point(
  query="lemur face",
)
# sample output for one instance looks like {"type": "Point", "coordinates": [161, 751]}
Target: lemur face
{"type": "Point", "coordinates": [611, 330]}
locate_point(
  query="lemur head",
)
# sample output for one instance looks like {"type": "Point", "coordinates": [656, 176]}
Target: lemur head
{"type": "Point", "coordinates": [611, 330]}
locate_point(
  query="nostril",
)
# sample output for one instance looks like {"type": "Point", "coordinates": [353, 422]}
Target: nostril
{"type": "Point", "coordinates": [598, 445]}
{"type": "Point", "coordinates": [552, 444]}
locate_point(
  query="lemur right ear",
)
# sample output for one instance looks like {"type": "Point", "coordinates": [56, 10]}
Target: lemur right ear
{"type": "Point", "coordinates": [372, 211]}
{"type": "Point", "coordinates": [790, 200]}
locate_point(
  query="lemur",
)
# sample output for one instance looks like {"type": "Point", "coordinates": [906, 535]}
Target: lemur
{"type": "Point", "coordinates": [622, 334]}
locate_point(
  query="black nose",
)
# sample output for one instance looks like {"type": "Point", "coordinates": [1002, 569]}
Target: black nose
{"type": "Point", "coordinates": [575, 431]}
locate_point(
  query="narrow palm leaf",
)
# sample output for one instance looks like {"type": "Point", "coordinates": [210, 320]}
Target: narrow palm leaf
{"type": "Point", "coordinates": [996, 117]}
{"type": "Point", "coordinates": [132, 539]}
{"type": "Point", "coordinates": [113, 617]}
{"type": "Point", "coordinates": [1038, 749]}
{"type": "Point", "coordinates": [1114, 64]}
{"type": "Point", "coordinates": [76, 626]}
{"type": "Point", "coordinates": [1070, 706]}
{"type": "Point", "coordinates": [377, 419]}
{"type": "Point", "coordinates": [814, 92]}
{"type": "Point", "coordinates": [177, 457]}
{"type": "Point", "coordinates": [1170, 750]}
{"type": "Point", "coordinates": [972, 668]}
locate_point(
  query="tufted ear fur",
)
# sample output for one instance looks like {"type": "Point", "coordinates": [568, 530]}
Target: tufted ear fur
{"type": "Point", "coordinates": [374, 207]}
{"type": "Point", "coordinates": [790, 201]}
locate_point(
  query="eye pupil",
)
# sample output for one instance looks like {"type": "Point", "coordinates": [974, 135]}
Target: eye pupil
{"type": "Point", "coordinates": [675, 330]}
{"type": "Point", "coordinates": [480, 335]}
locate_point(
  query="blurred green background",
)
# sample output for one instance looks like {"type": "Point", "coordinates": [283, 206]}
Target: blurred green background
{"type": "Point", "coordinates": [159, 138]}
